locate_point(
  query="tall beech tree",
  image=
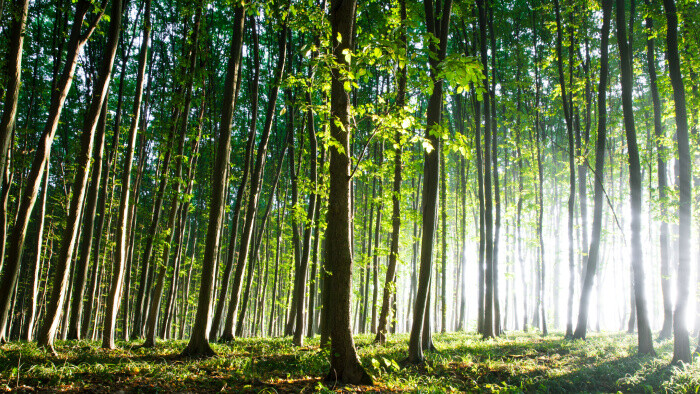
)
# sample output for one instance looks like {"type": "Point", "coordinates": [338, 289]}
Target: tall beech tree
{"type": "Point", "coordinates": [115, 290]}
{"type": "Point", "coordinates": [390, 282]}
{"type": "Point", "coordinates": [78, 37]}
{"type": "Point", "coordinates": [646, 345]}
{"type": "Point", "coordinates": [198, 345]}
{"type": "Point", "coordinates": [345, 366]}
{"type": "Point", "coordinates": [594, 250]}
{"type": "Point", "coordinates": [681, 343]}
{"type": "Point", "coordinates": [667, 327]}
{"type": "Point", "coordinates": [437, 21]}
{"type": "Point", "coordinates": [70, 232]}
{"type": "Point", "coordinates": [255, 185]}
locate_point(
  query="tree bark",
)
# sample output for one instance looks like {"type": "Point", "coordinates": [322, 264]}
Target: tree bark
{"type": "Point", "coordinates": [646, 345]}
{"type": "Point", "coordinates": [390, 280]}
{"type": "Point", "coordinates": [240, 193]}
{"type": "Point", "coordinates": [572, 170]}
{"type": "Point", "coordinates": [345, 366]}
{"type": "Point", "coordinates": [198, 345]}
{"type": "Point", "coordinates": [255, 186]}
{"type": "Point", "coordinates": [115, 292]}
{"type": "Point", "coordinates": [310, 217]}
{"type": "Point", "coordinates": [18, 10]}
{"type": "Point", "coordinates": [667, 327]}
{"type": "Point", "coordinates": [438, 26]}
{"type": "Point", "coordinates": [594, 250]}
{"type": "Point", "coordinates": [76, 41]}
{"type": "Point", "coordinates": [681, 343]}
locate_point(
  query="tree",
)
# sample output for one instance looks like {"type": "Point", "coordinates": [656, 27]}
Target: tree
{"type": "Point", "coordinates": [681, 343]}
{"type": "Point", "coordinates": [115, 291]}
{"type": "Point", "coordinates": [255, 186]}
{"type": "Point", "coordinates": [198, 345]}
{"type": "Point", "coordinates": [666, 329]}
{"type": "Point", "coordinates": [646, 345]}
{"type": "Point", "coordinates": [572, 172]}
{"type": "Point", "coordinates": [389, 282]}
{"type": "Point", "coordinates": [76, 41]}
{"type": "Point", "coordinates": [594, 250]}
{"type": "Point", "coordinates": [345, 367]}
{"type": "Point", "coordinates": [437, 24]}
{"type": "Point", "coordinates": [70, 233]}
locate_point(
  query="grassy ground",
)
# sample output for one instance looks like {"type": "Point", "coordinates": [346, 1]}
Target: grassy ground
{"type": "Point", "coordinates": [514, 363]}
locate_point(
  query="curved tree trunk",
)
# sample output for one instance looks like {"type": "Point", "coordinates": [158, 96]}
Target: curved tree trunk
{"type": "Point", "coordinates": [76, 41]}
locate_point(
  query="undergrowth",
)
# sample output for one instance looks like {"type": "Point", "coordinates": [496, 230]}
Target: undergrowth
{"type": "Point", "coordinates": [463, 363]}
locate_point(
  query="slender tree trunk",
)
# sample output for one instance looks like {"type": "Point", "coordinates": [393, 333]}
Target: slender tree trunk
{"type": "Point", "coordinates": [240, 193]}
{"type": "Point", "coordinates": [88, 228]}
{"type": "Point", "coordinates": [443, 268]}
{"type": "Point", "coordinates": [198, 345]}
{"type": "Point", "coordinates": [646, 345]}
{"type": "Point", "coordinates": [70, 234]}
{"type": "Point", "coordinates": [540, 317]}
{"type": "Point", "coordinates": [681, 344]}
{"type": "Point", "coordinates": [28, 332]}
{"type": "Point", "coordinates": [257, 241]}
{"type": "Point", "coordinates": [572, 170]}
{"type": "Point", "coordinates": [18, 11]}
{"type": "Point", "coordinates": [175, 206]}
{"type": "Point", "coordinates": [594, 251]}
{"type": "Point", "coordinates": [390, 281]}
{"type": "Point", "coordinates": [115, 292]}
{"type": "Point", "coordinates": [438, 25]}
{"type": "Point", "coordinates": [255, 186]}
{"type": "Point", "coordinates": [76, 41]}
{"type": "Point", "coordinates": [488, 323]}
{"type": "Point", "coordinates": [310, 217]}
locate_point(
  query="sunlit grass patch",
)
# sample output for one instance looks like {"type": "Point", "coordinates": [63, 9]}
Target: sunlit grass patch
{"type": "Point", "coordinates": [515, 362]}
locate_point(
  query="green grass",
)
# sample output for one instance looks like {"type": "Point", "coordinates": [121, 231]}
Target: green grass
{"type": "Point", "coordinates": [514, 363]}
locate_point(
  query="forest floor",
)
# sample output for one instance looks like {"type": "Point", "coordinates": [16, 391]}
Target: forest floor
{"type": "Point", "coordinates": [515, 362]}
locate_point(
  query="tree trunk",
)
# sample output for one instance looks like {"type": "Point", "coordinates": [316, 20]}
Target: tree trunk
{"type": "Point", "coordinates": [438, 25]}
{"type": "Point", "coordinates": [345, 366]}
{"type": "Point", "coordinates": [310, 217]}
{"type": "Point", "coordinates": [198, 345]}
{"type": "Point", "coordinates": [240, 193]}
{"type": "Point", "coordinates": [681, 344]}
{"type": "Point", "coordinates": [115, 292]}
{"type": "Point", "coordinates": [19, 10]}
{"type": "Point", "coordinates": [255, 186]}
{"type": "Point", "coordinates": [258, 240]}
{"type": "Point", "coordinates": [70, 233]}
{"type": "Point", "coordinates": [28, 332]}
{"type": "Point", "coordinates": [76, 41]}
{"type": "Point", "coordinates": [659, 134]}
{"type": "Point", "coordinates": [646, 345]}
{"type": "Point", "coordinates": [390, 281]}
{"type": "Point", "coordinates": [594, 251]}
{"type": "Point", "coordinates": [572, 170]}
{"type": "Point", "coordinates": [88, 228]}
{"type": "Point", "coordinates": [488, 323]}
